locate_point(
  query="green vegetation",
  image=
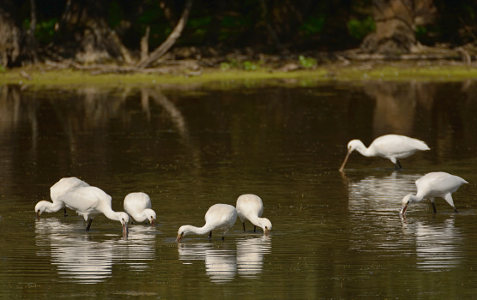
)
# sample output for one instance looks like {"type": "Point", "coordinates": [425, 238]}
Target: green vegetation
{"type": "Point", "coordinates": [319, 74]}
{"type": "Point", "coordinates": [360, 28]}
{"type": "Point", "coordinates": [307, 62]}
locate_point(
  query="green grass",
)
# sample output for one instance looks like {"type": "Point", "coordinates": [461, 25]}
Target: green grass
{"type": "Point", "coordinates": [335, 72]}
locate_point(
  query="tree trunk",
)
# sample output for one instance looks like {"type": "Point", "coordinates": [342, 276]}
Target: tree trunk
{"type": "Point", "coordinates": [86, 35]}
{"type": "Point", "coordinates": [171, 39]}
{"type": "Point", "coordinates": [10, 36]}
{"type": "Point", "coordinates": [396, 21]}
{"type": "Point", "coordinates": [30, 46]}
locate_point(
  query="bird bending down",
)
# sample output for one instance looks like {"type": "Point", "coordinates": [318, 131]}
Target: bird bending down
{"type": "Point", "coordinates": [91, 201]}
{"type": "Point", "coordinates": [390, 146]}
{"type": "Point", "coordinates": [59, 188]}
{"type": "Point", "coordinates": [138, 206]}
{"type": "Point", "coordinates": [431, 185]}
{"type": "Point", "coordinates": [250, 207]}
{"type": "Point", "coordinates": [219, 217]}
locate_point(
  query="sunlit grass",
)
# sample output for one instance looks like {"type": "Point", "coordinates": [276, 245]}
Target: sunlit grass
{"type": "Point", "coordinates": [232, 77]}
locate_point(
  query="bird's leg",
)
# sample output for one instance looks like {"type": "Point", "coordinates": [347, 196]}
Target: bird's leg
{"type": "Point", "coordinates": [243, 224]}
{"type": "Point", "coordinates": [64, 212]}
{"type": "Point", "coordinates": [254, 228]}
{"type": "Point", "coordinates": [433, 205]}
{"type": "Point", "coordinates": [210, 235]}
{"type": "Point", "coordinates": [455, 210]}
{"type": "Point", "coordinates": [397, 166]}
{"type": "Point", "coordinates": [89, 224]}
{"type": "Point", "coordinates": [223, 238]}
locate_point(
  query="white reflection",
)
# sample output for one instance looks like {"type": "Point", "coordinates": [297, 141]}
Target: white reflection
{"type": "Point", "coordinates": [437, 246]}
{"type": "Point", "coordinates": [250, 252]}
{"type": "Point", "coordinates": [82, 260]}
{"type": "Point", "coordinates": [221, 265]}
{"type": "Point", "coordinates": [374, 203]}
{"type": "Point", "coordinates": [380, 194]}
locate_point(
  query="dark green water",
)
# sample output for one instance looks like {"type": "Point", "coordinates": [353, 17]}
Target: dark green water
{"type": "Point", "coordinates": [334, 235]}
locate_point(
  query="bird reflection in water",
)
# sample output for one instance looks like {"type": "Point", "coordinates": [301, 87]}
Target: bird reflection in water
{"type": "Point", "coordinates": [80, 259]}
{"type": "Point", "coordinates": [221, 265]}
{"type": "Point", "coordinates": [380, 194]}
{"type": "Point", "coordinates": [438, 245]}
{"type": "Point", "coordinates": [250, 252]}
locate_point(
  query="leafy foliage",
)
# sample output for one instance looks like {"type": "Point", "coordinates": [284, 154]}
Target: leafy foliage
{"type": "Point", "coordinates": [360, 28]}
{"type": "Point", "coordinates": [307, 62]}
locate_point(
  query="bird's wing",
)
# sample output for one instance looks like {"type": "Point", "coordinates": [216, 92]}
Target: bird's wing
{"type": "Point", "coordinates": [81, 199]}
{"type": "Point", "coordinates": [439, 183]}
{"type": "Point", "coordinates": [392, 144]}
{"type": "Point", "coordinates": [219, 214]}
{"type": "Point", "coordinates": [64, 185]}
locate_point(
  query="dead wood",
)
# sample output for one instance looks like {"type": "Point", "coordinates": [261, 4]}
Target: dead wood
{"type": "Point", "coordinates": [171, 39]}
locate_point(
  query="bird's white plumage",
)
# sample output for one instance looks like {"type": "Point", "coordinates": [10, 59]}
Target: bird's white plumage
{"type": "Point", "coordinates": [250, 207]}
{"type": "Point", "coordinates": [219, 217]}
{"type": "Point", "coordinates": [390, 146]}
{"type": "Point", "coordinates": [63, 185]}
{"type": "Point", "coordinates": [138, 206]}
{"type": "Point", "coordinates": [434, 184]}
{"type": "Point", "coordinates": [90, 201]}
{"type": "Point", "coordinates": [397, 146]}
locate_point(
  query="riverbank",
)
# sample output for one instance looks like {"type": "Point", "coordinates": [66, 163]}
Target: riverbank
{"type": "Point", "coordinates": [41, 75]}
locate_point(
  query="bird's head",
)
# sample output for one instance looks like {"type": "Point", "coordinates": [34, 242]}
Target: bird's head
{"type": "Point", "coordinates": [405, 202]}
{"type": "Point", "coordinates": [124, 219]}
{"type": "Point", "coordinates": [353, 145]}
{"type": "Point", "coordinates": [150, 215]}
{"type": "Point", "coordinates": [182, 232]}
{"type": "Point", "coordinates": [40, 207]}
{"type": "Point", "coordinates": [266, 225]}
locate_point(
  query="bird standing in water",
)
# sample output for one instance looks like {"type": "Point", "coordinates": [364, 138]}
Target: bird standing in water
{"type": "Point", "coordinates": [218, 217]}
{"type": "Point", "coordinates": [390, 146]}
{"type": "Point", "coordinates": [250, 207]}
{"type": "Point", "coordinates": [138, 205]}
{"type": "Point", "coordinates": [63, 185]}
{"type": "Point", "coordinates": [91, 201]}
{"type": "Point", "coordinates": [431, 185]}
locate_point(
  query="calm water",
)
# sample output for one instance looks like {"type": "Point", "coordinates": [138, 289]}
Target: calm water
{"type": "Point", "coordinates": [333, 236]}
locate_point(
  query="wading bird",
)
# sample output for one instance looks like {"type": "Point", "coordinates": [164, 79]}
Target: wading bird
{"type": "Point", "coordinates": [63, 185]}
{"type": "Point", "coordinates": [91, 201]}
{"type": "Point", "coordinates": [138, 206]}
{"type": "Point", "coordinates": [390, 146]}
{"type": "Point", "coordinates": [219, 217]}
{"type": "Point", "coordinates": [250, 207]}
{"type": "Point", "coordinates": [431, 185]}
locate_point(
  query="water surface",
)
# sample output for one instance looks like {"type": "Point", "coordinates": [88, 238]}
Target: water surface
{"type": "Point", "coordinates": [334, 235]}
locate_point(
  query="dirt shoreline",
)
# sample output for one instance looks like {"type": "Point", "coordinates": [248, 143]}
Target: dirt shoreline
{"type": "Point", "coordinates": [199, 72]}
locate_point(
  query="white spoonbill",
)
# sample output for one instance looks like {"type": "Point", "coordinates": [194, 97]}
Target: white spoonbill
{"type": "Point", "coordinates": [62, 186]}
{"type": "Point", "coordinates": [90, 201]}
{"type": "Point", "coordinates": [250, 207]}
{"type": "Point", "coordinates": [219, 217]}
{"type": "Point", "coordinates": [138, 206]}
{"type": "Point", "coordinates": [390, 146]}
{"type": "Point", "coordinates": [431, 185]}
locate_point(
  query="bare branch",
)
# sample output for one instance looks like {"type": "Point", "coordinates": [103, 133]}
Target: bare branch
{"type": "Point", "coordinates": [171, 39]}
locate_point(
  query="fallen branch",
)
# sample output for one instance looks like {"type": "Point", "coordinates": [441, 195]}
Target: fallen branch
{"type": "Point", "coordinates": [171, 39]}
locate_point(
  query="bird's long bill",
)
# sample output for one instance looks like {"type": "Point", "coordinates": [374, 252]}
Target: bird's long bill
{"type": "Point", "coordinates": [403, 210]}
{"type": "Point", "coordinates": [179, 238]}
{"type": "Point", "coordinates": [152, 222]}
{"type": "Point", "coordinates": [125, 230]}
{"type": "Point", "coordinates": [344, 162]}
{"type": "Point", "coordinates": [266, 231]}
{"type": "Point", "coordinates": [38, 215]}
